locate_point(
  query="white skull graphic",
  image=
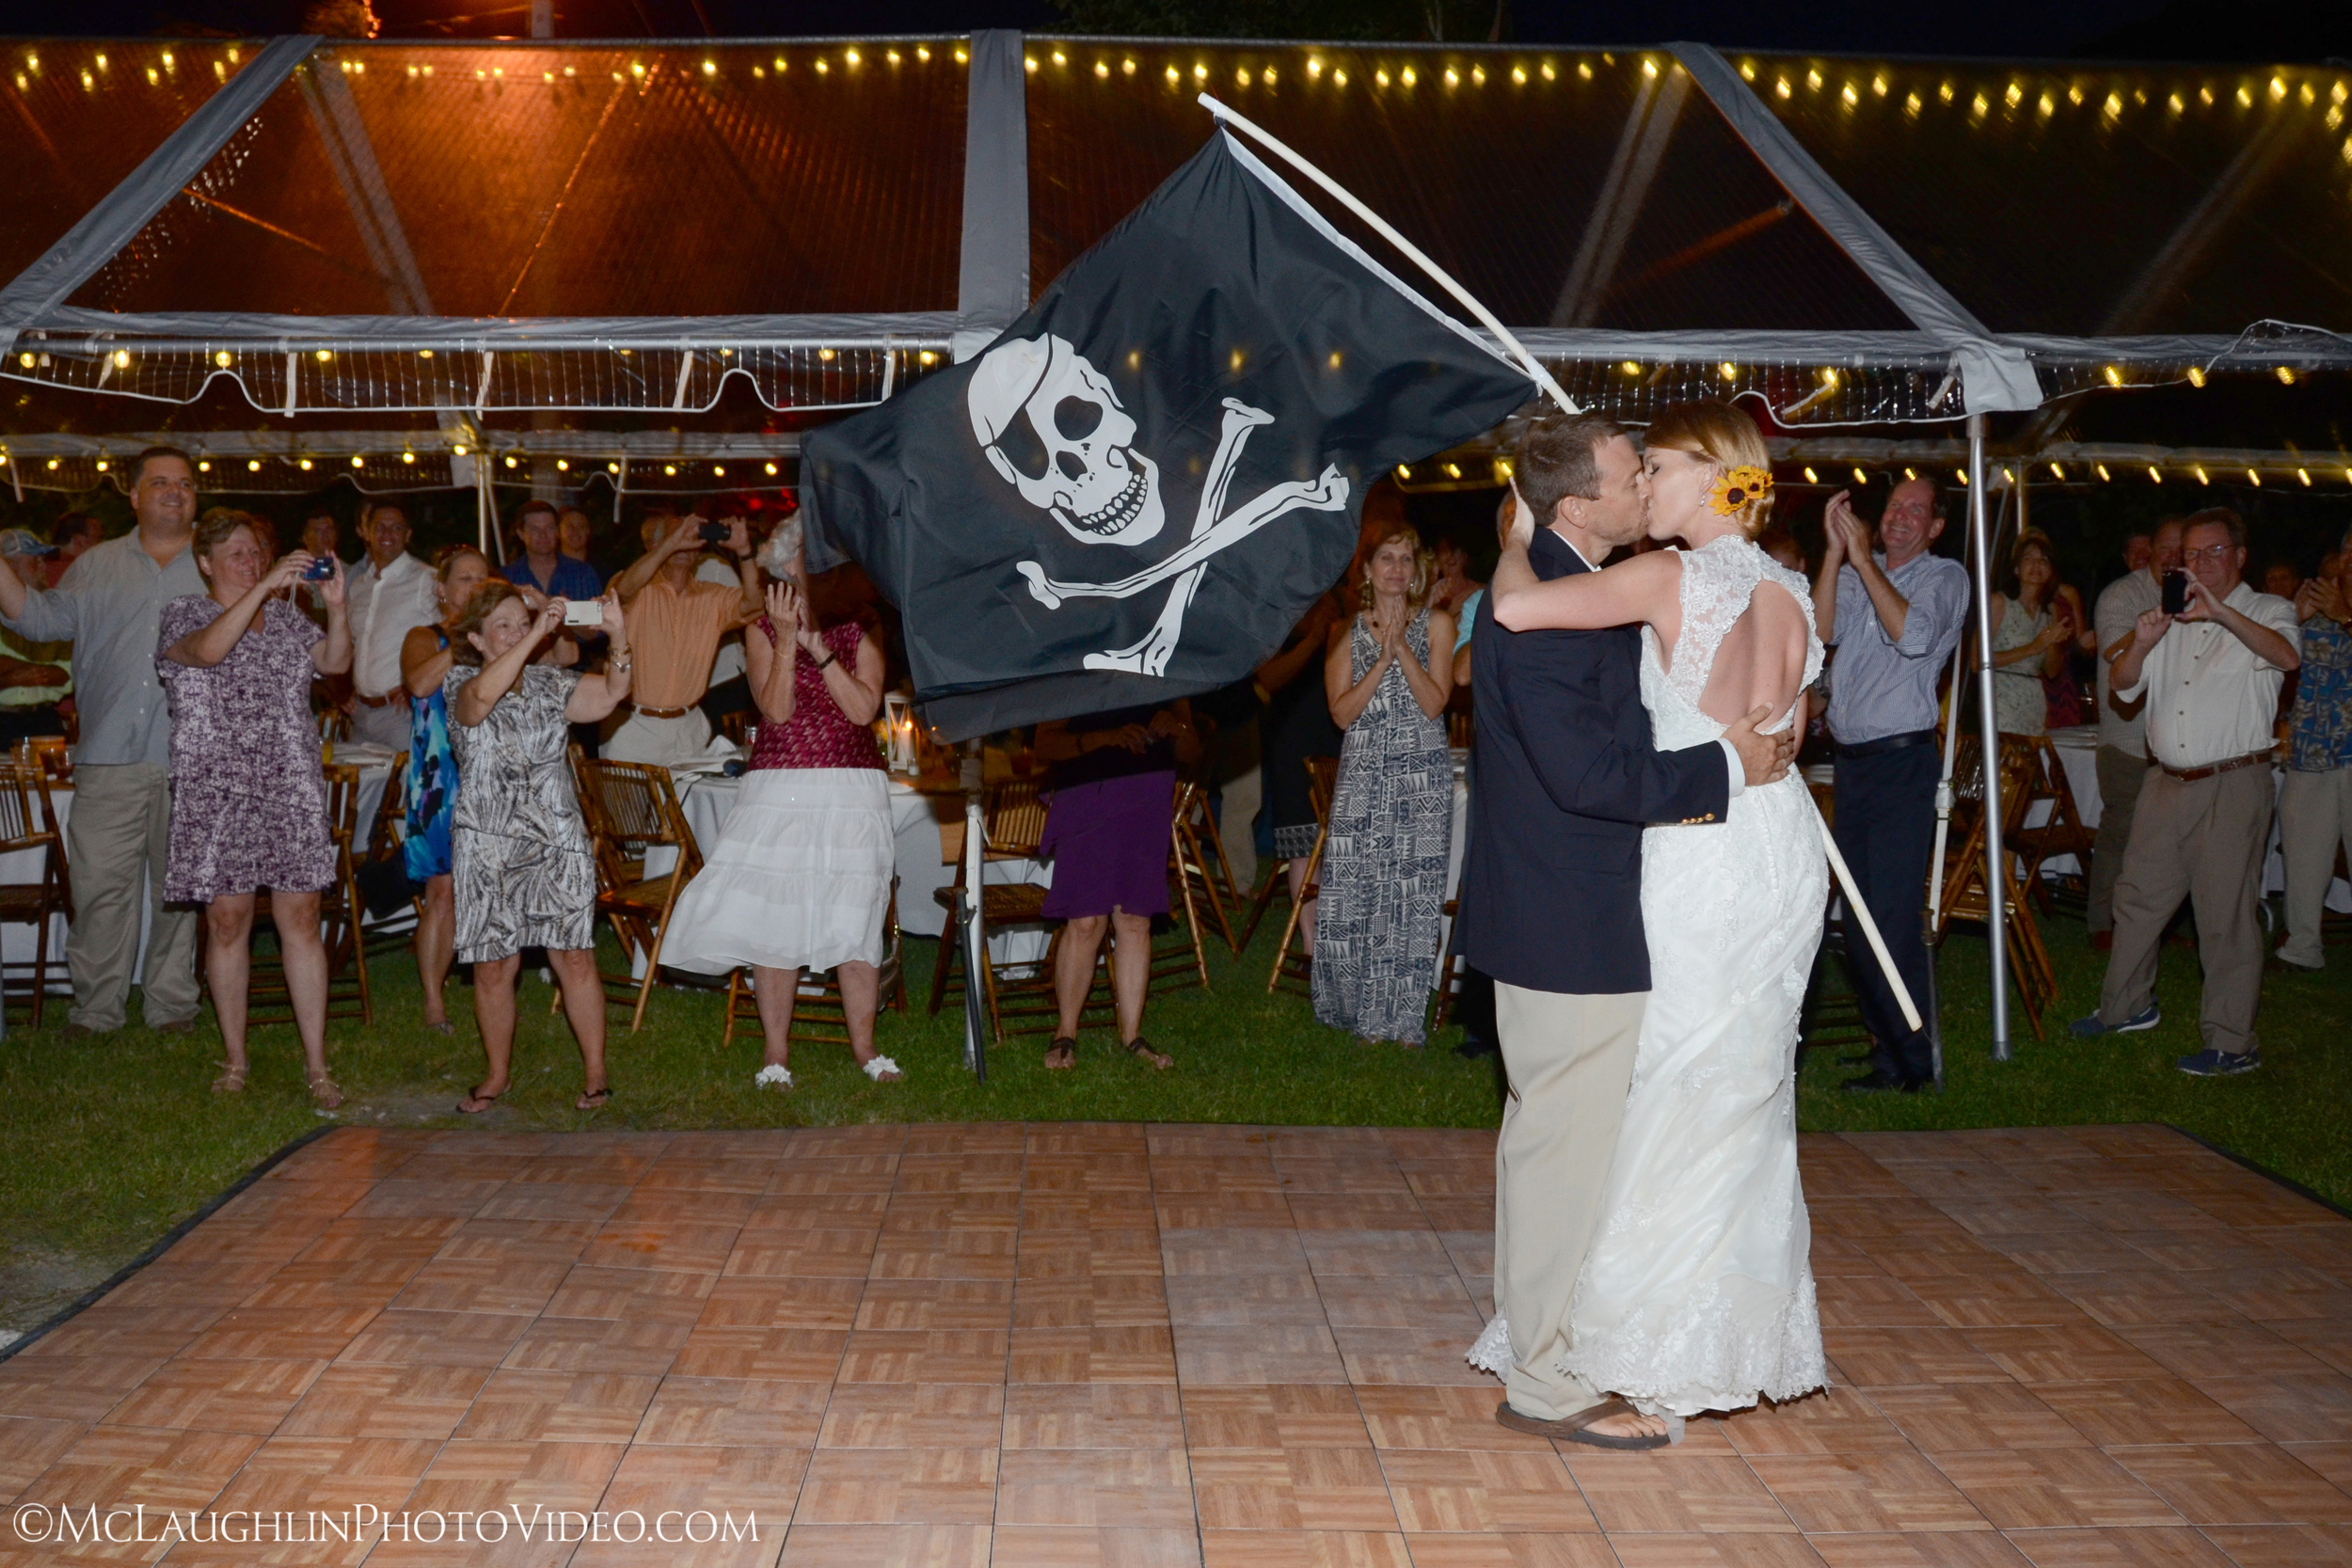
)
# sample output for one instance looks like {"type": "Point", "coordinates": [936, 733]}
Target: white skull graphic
{"type": "Point", "coordinates": [1053, 428]}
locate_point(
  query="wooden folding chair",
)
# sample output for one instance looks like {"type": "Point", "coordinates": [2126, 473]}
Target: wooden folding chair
{"type": "Point", "coordinates": [1323, 775]}
{"type": "Point", "coordinates": [632, 808]}
{"type": "Point", "coordinates": [28, 826]}
{"type": "Point", "coordinates": [1963, 892]}
{"type": "Point", "coordinates": [1197, 869]}
{"type": "Point", "coordinates": [1012, 826]}
{"type": "Point", "coordinates": [349, 993]}
{"type": "Point", "coordinates": [818, 1011]}
{"type": "Point", "coordinates": [2062, 832]}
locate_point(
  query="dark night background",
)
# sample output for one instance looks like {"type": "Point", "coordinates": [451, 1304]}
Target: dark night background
{"type": "Point", "coordinates": [2111, 29]}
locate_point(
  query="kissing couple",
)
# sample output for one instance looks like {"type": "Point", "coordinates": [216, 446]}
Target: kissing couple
{"type": "Point", "coordinates": [1646, 884]}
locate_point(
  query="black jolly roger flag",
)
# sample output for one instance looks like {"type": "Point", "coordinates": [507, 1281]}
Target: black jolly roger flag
{"type": "Point", "coordinates": [1136, 491]}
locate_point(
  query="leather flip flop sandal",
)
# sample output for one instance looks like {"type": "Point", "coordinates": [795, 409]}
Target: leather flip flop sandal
{"type": "Point", "coordinates": [1577, 1428]}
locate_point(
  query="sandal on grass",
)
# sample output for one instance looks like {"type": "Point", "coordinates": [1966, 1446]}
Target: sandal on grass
{"type": "Point", "coordinates": [1140, 1049]}
{"type": "Point", "coordinates": [592, 1100]}
{"type": "Point", "coordinates": [881, 1069]}
{"type": "Point", "coordinates": [775, 1075]}
{"type": "Point", "coordinates": [440, 1026]}
{"type": "Point", "coordinates": [231, 1079]}
{"type": "Point", "coordinates": [1062, 1054]}
{"type": "Point", "coordinates": [476, 1103]}
{"type": "Point", "coordinates": [325, 1094]}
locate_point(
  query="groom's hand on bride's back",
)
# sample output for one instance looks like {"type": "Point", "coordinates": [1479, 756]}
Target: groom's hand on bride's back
{"type": "Point", "coordinates": [1764, 757]}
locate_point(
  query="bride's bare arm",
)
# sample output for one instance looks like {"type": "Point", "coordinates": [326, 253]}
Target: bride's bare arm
{"type": "Point", "coordinates": [1642, 588]}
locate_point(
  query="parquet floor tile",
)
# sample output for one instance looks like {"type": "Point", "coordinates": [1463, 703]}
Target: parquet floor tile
{"type": "Point", "coordinates": [1074, 1345]}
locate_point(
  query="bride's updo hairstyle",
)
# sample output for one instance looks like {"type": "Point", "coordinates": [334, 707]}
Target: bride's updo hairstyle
{"type": "Point", "coordinates": [1727, 437]}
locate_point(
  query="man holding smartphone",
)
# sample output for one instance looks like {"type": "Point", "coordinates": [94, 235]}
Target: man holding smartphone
{"type": "Point", "coordinates": [675, 625]}
{"type": "Point", "coordinates": [2210, 673]}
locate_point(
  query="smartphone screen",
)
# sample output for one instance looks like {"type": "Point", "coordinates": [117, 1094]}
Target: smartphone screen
{"type": "Point", "coordinates": [2175, 591]}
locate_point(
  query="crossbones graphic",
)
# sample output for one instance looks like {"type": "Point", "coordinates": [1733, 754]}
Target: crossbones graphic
{"type": "Point", "coordinates": [1073, 456]}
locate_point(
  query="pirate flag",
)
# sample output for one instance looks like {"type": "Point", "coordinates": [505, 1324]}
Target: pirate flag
{"type": "Point", "coordinates": [1136, 491]}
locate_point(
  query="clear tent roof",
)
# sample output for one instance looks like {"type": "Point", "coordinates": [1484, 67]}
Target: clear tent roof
{"type": "Point", "coordinates": [482, 231]}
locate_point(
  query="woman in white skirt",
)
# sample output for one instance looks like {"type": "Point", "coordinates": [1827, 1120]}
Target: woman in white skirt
{"type": "Point", "coordinates": [800, 878]}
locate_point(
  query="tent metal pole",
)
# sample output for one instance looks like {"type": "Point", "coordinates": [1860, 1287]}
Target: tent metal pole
{"type": "Point", "coordinates": [970, 930]}
{"type": "Point", "coordinates": [1988, 731]}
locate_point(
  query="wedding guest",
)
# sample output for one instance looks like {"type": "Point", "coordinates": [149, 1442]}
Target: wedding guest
{"type": "Point", "coordinates": [1781, 545]}
{"type": "Point", "coordinates": [426, 656]}
{"type": "Point", "coordinates": [2064, 688]}
{"type": "Point", "coordinates": [519, 860]}
{"type": "Point", "coordinates": [2203, 819]}
{"type": "Point", "coordinates": [321, 535]}
{"type": "Point", "coordinates": [574, 538]}
{"type": "Point", "coordinates": [729, 691]}
{"type": "Point", "coordinates": [249, 801]}
{"type": "Point", "coordinates": [800, 878]}
{"type": "Point", "coordinates": [1296, 725]}
{"type": "Point", "coordinates": [2139, 549]}
{"type": "Point", "coordinates": [1894, 615]}
{"type": "Point", "coordinates": [1392, 814]}
{"type": "Point", "coordinates": [2029, 635]}
{"type": "Point", "coordinates": [118, 839]}
{"type": "Point", "coordinates": [1451, 586]}
{"type": "Point", "coordinates": [2281, 580]}
{"type": "Point", "coordinates": [35, 677]}
{"type": "Point", "coordinates": [675, 623]}
{"type": "Point", "coordinates": [72, 534]}
{"type": "Point", "coordinates": [2315, 802]}
{"type": "Point", "coordinates": [2122, 754]}
{"type": "Point", "coordinates": [391, 594]}
{"type": "Point", "coordinates": [543, 567]}
{"type": "Point", "coordinates": [1107, 832]}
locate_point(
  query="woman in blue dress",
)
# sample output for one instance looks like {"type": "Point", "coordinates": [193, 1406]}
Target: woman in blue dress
{"type": "Point", "coordinates": [432, 782]}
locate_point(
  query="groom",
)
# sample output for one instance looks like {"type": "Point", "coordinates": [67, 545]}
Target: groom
{"type": "Point", "coordinates": [1564, 781]}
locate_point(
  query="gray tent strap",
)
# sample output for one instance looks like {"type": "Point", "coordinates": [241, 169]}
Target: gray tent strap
{"type": "Point", "coordinates": [992, 275]}
{"type": "Point", "coordinates": [116, 220]}
{"type": "Point", "coordinates": [1994, 375]}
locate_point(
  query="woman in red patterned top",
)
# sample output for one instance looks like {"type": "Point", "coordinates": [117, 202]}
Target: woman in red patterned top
{"type": "Point", "coordinates": [800, 878]}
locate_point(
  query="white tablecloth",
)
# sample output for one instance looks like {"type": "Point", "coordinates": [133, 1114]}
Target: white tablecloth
{"type": "Point", "coordinates": [2078, 750]}
{"type": "Point", "coordinates": [19, 938]}
{"type": "Point", "coordinates": [915, 820]}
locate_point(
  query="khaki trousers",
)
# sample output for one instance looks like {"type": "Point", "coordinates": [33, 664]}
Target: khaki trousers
{"type": "Point", "coordinates": [385, 727]}
{"type": "Point", "coordinates": [118, 841]}
{"type": "Point", "coordinates": [2314, 816]}
{"type": "Point", "coordinates": [663, 742]}
{"type": "Point", "coordinates": [2202, 840]}
{"type": "Point", "coordinates": [1569, 1060]}
{"type": "Point", "coordinates": [2120, 775]}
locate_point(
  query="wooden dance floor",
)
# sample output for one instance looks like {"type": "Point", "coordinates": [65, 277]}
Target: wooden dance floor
{"type": "Point", "coordinates": [1144, 1346]}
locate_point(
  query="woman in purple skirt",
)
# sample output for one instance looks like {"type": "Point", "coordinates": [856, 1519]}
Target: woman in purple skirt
{"type": "Point", "coordinates": [1106, 832]}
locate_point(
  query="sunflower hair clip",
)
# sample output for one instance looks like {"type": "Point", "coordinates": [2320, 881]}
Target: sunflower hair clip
{"type": "Point", "coordinates": [1739, 487]}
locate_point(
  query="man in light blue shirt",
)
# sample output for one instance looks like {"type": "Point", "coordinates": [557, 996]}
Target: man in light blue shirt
{"type": "Point", "coordinates": [1894, 618]}
{"type": "Point", "coordinates": [109, 607]}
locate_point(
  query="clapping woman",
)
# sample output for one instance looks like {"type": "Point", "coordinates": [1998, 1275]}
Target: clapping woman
{"type": "Point", "coordinates": [249, 801]}
{"type": "Point", "coordinates": [2032, 627]}
{"type": "Point", "coordinates": [1391, 814]}
{"type": "Point", "coordinates": [800, 878]}
{"type": "Point", "coordinates": [521, 866]}
{"type": "Point", "coordinates": [425, 657]}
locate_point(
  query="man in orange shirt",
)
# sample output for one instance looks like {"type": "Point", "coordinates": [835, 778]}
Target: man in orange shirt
{"type": "Point", "coordinates": [675, 625]}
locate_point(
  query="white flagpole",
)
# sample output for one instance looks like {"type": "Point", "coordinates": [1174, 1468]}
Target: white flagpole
{"type": "Point", "coordinates": [1542, 377]}
{"type": "Point", "coordinates": [1528, 362]}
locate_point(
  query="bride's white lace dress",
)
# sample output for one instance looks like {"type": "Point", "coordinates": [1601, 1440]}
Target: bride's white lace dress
{"type": "Point", "coordinates": [1699, 1291]}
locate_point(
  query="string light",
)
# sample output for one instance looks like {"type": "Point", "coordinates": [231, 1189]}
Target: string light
{"type": "Point", "coordinates": [2303, 474]}
{"type": "Point", "coordinates": [2196, 376]}
{"type": "Point", "coordinates": [1962, 475]}
{"type": "Point", "coordinates": [2104, 475]}
{"type": "Point", "coordinates": [253, 465]}
{"type": "Point", "coordinates": [2199, 470]}
{"type": "Point", "coordinates": [772, 468]}
{"type": "Point", "coordinates": [358, 461]}
{"type": "Point", "coordinates": [2155, 474]}
{"type": "Point", "coordinates": [2286, 375]}
{"type": "Point", "coordinates": [2058, 473]}
{"type": "Point", "coordinates": [1861, 478]}
{"type": "Point", "coordinates": [1812, 477]}
{"type": "Point", "coordinates": [2255, 477]}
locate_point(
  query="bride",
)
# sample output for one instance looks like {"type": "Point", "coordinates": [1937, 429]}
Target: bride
{"type": "Point", "coordinates": [1697, 1294]}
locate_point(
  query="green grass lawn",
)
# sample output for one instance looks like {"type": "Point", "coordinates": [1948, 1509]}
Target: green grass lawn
{"type": "Point", "coordinates": [106, 1144]}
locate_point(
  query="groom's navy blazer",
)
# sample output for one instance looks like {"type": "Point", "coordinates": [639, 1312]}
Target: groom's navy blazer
{"type": "Point", "coordinates": [1563, 779]}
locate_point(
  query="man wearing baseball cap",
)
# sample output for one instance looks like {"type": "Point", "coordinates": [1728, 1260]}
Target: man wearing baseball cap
{"type": "Point", "coordinates": [33, 676]}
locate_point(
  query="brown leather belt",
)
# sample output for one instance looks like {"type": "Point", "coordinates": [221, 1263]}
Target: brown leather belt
{"type": "Point", "coordinates": [665, 712]}
{"type": "Point", "coordinates": [2190, 775]}
{"type": "Point", "coordinates": [396, 695]}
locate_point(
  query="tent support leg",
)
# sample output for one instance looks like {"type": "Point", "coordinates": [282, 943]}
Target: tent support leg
{"type": "Point", "coordinates": [1995, 881]}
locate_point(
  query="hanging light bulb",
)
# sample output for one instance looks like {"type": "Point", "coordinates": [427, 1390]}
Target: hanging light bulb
{"type": "Point", "coordinates": [1812, 477]}
{"type": "Point", "coordinates": [1861, 478]}
{"type": "Point", "coordinates": [2103, 471]}
{"type": "Point", "coordinates": [2199, 470]}
{"type": "Point", "coordinates": [2155, 474]}
{"type": "Point", "coordinates": [2058, 473]}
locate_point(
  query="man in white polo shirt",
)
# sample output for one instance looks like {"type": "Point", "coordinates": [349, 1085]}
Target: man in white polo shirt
{"type": "Point", "coordinates": [2211, 676]}
{"type": "Point", "coordinates": [391, 594]}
